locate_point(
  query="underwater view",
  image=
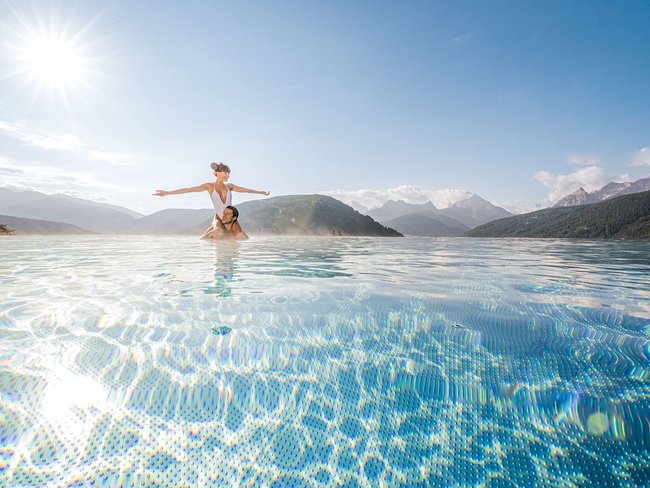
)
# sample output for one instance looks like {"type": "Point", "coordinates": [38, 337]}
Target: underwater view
{"type": "Point", "coordinates": [314, 362]}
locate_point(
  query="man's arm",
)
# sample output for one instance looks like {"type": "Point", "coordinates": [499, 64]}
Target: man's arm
{"type": "Point", "coordinates": [237, 232]}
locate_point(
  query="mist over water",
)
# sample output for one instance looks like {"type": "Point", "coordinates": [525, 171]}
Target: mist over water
{"type": "Point", "coordinates": [323, 361]}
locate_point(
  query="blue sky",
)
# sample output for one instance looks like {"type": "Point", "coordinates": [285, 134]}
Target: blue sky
{"type": "Point", "coordinates": [518, 101]}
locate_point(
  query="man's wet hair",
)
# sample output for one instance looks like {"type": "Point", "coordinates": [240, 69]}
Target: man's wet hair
{"type": "Point", "coordinates": [235, 212]}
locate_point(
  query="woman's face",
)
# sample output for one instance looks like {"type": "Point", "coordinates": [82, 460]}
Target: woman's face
{"type": "Point", "coordinates": [222, 175]}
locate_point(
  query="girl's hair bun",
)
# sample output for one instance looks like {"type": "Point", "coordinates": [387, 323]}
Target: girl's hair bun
{"type": "Point", "coordinates": [220, 167]}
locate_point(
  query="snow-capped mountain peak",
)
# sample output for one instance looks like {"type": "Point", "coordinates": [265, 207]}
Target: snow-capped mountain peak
{"type": "Point", "coordinates": [610, 190]}
{"type": "Point", "coordinates": [372, 199]}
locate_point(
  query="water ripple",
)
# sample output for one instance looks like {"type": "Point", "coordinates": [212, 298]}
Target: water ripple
{"type": "Point", "coordinates": [319, 361]}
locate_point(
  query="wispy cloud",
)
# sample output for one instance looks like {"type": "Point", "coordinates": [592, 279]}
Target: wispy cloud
{"type": "Point", "coordinates": [641, 157]}
{"type": "Point", "coordinates": [8, 167]}
{"type": "Point", "coordinates": [116, 159]}
{"type": "Point", "coordinates": [409, 194]}
{"type": "Point", "coordinates": [59, 141]}
{"type": "Point", "coordinates": [6, 127]}
{"type": "Point", "coordinates": [52, 140]}
{"type": "Point", "coordinates": [51, 179]}
{"type": "Point", "coordinates": [584, 159]}
{"type": "Point", "coordinates": [463, 38]}
{"type": "Point", "coordinates": [591, 178]}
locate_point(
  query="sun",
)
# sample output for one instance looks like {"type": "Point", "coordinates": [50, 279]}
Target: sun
{"type": "Point", "coordinates": [47, 53]}
{"type": "Point", "coordinates": [53, 61]}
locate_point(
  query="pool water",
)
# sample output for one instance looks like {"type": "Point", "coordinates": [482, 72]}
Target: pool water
{"type": "Point", "coordinates": [149, 361]}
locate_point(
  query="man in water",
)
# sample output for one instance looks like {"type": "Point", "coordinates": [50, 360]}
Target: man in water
{"type": "Point", "coordinates": [220, 193]}
{"type": "Point", "coordinates": [228, 227]}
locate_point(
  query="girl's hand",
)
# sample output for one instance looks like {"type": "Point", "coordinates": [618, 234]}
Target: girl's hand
{"type": "Point", "coordinates": [267, 193]}
{"type": "Point", "coordinates": [160, 193]}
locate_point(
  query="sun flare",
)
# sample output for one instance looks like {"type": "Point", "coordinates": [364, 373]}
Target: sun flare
{"type": "Point", "coordinates": [49, 54]}
{"type": "Point", "coordinates": [54, 61]}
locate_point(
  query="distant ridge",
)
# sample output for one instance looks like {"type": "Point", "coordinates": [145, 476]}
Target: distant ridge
{"type": "Point", "coordinates": [171, 221]}
{"type": "Point", "coordinates": [578, 197]}
{"type": "Point", "coordinates": [610, 190]}
{"type": "Point", "coordinates": [474, 211]}
{"type": "Point", "coordinates": [424, 226]}
{"type": "Point", "coordinates": [23, 226]}
{"type": "Point", "coordinates": [451, 221]}
{"type": "Point", "coordinates": [626, 216]}
{"type": "Point", "coordinates": [393, 209]}
{"type": "Point", "coordinates": [87, 214]}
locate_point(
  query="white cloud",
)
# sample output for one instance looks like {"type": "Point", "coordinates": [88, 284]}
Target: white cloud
{"type": "Point", "coordinates": [642, 157]}
{"type": "Point", "coordinates": [584, 160]}
{"type": "Point", "coordinates": [409, 194]}
{"type": "Point", "coordinates": [6, 127]}
{"type": "Point", "coordinates": [625, 178]}
{"type": "Point", "coordinates": [591, 178]}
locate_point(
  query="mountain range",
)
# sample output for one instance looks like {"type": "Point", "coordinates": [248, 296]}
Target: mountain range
{"type": "Point", "coordinates": [31, 212]}
{"type": "Point", "coordinates": [625, 216]}
{"type": "Point", "coordinates": [426, 220]}
{"type": "Point", "coordinates": [87, 214]}
{"type": "Point", "coordinates": [610, 190]}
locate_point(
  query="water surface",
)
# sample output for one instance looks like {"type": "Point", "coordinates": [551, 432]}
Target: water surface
{"type": "Point", "coordinates": [324, 362]}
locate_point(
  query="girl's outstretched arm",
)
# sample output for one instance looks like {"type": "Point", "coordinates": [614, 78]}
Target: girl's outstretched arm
{"type": "Point", "coordinates": [164, 193]}
{"type": "Point", "coordinates": [241, 189]}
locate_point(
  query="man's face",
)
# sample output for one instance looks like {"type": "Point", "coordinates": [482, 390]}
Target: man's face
{"type": "Point", "coordinates": [227, 216]}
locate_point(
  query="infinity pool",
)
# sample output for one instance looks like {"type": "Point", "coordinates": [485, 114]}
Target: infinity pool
{"type": "Point", "coordinates": [142, 361]}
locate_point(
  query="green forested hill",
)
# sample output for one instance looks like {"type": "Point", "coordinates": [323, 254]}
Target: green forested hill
{"type": "Point", "coordinates": [626, 216]}
{"type": "Point", "coordinates": [307, 215]}
{"type": "Point", "coordinates": [303, 215]}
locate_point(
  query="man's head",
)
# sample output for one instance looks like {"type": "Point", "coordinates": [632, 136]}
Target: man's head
{"type": "Point", "coordinates": [230, 215]}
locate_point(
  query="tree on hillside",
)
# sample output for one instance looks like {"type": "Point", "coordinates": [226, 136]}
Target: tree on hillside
{"type": "Point", "coordinates": [4, 230]}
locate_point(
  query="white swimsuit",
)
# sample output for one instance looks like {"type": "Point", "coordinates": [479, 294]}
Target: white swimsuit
{"type": "Point", "coordinates": [220, 205]}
